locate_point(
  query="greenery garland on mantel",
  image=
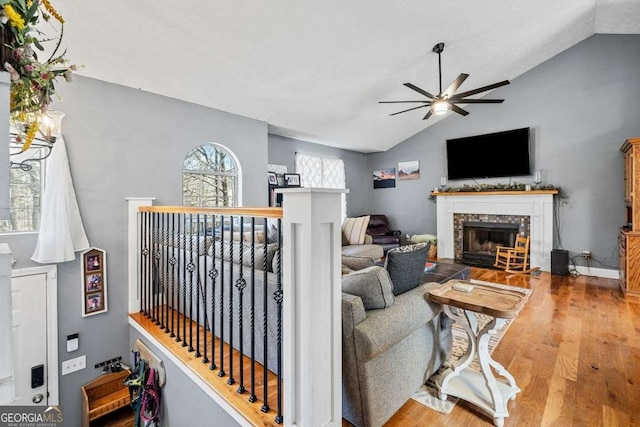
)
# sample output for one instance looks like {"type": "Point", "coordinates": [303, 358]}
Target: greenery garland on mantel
{"type": "Point", "coordinates": [516, 186]}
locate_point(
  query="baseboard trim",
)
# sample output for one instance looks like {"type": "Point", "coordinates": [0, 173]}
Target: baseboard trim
{"type": "Point", "coordinates": [605, 273]}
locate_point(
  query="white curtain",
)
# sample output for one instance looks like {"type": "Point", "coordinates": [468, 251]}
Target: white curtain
{"type": "Point", "coordinates": [322, 172]}
{"type": "Point", "coordinates": [61, 229]}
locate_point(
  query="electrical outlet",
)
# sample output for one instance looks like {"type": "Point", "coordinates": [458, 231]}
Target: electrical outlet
{"type": "Point", "coordinates": [586, 254]}
{"type": "Point", "coordinates": [73, 365]}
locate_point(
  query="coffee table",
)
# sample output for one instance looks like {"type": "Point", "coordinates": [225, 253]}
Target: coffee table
{"type": "Point", "coordinates": [480, 388]}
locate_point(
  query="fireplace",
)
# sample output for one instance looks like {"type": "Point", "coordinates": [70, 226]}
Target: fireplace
{"type": "Point", "coordinates": [480, 240]}
{"type": "Point", "coordinates": [535, 206]}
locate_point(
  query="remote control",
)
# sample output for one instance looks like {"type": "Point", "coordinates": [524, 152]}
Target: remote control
{"type": "Point", "coordinates": [462, 287]}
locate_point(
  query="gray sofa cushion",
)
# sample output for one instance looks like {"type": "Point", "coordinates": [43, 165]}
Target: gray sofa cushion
{"type": "Point", "coordinates": [372, 251]}
{"type": "Point", "coordinates": [372, 285]}
{"type": "Point", "coordinates": [385, 328]}
{"type": "Point", "coordinates": [357, 262]}
{"type": "Point", "coordinates": [406, 266]}
{"type": "Point", "coordinates": [245, 248]}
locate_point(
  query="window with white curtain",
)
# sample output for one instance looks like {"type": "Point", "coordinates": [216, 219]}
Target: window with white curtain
{"type": "Point", "coordinates": [323, 172]}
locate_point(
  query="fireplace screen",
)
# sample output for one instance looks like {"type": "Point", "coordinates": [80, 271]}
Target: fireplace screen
{"type": "Point", "coordinates": [480, 240]}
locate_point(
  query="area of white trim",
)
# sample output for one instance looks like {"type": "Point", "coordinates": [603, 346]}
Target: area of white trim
{"type": "Point", "coordinates": [598, 272]}
{"type": "Point", "coordinates": [209, 391]}
{"type": "Point", "coordinates": [538, 207]}
{"type": "Point", "coordinates": [51, 271]}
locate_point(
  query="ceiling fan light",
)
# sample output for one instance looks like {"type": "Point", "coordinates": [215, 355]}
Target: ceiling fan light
{"type": "Point", "coordinates": [440, 107]}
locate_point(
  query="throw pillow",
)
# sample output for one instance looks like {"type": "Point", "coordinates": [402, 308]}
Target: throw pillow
{"type": "Point", "coordinates": [272, 236]}
{"type": "Point", "coordinates": [357, 262]}
{"type": "Point", "coordinates": [355, 229]}
{"type": "Point", "coordinates": [406, 266]}
{"type": "Point", "coordinates": [372, 285]}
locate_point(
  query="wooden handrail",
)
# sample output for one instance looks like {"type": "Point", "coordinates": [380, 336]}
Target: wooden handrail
{"type": "Point", "coordinates": [257, 211]}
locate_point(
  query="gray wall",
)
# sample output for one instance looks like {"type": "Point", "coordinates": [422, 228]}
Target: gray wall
{"type": "Point", "coordinates": [121, 143]}
{"type": "Point", "coordinates": [581, 105]}
{"type": "Point", "coordinates": [282, 151]}
{"type": "Point", "coordinates": [183, 403]}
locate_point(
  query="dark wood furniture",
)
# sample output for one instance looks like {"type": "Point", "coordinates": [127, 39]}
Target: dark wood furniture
{"type": "Point", "coordinates": [106, 401]}
{"type": "Point", "coordinates": [629, 237]}
{"type": "Point", "coordinates": [381, 232]}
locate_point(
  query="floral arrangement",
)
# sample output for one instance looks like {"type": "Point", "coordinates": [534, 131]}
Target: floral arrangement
{"type": "Point", "coordinates": [32, 80]}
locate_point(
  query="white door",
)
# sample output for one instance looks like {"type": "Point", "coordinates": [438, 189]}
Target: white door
{"type": "Point", "coordinates": [30, 338]}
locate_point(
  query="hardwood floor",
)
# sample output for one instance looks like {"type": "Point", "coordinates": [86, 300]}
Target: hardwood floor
{"type": "Point", "coordinates": [574, 351]}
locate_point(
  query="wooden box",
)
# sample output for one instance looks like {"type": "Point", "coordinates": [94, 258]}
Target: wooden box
{"type": "Point", "coordinates": [106, 401]}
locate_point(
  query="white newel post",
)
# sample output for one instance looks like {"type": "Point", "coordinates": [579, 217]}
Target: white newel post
{"type": "Point", "coordinates": [133, 242]}
{"type": "Point", "coordinates": [312, 319]}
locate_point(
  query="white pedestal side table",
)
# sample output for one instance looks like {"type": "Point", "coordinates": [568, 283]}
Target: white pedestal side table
{"type": "Point", "coordinates": [480, 388]}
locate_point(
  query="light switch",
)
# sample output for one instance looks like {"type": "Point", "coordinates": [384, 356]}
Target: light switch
{"type": "Point", "coordinates": [72, 342]}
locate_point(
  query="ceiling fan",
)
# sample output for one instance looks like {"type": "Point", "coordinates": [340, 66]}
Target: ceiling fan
{"type": "Point", "coordinates": [447, 100]}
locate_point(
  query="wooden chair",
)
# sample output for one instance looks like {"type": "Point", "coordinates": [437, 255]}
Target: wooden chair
{"type": "Point", "coordinates": [514, 259]}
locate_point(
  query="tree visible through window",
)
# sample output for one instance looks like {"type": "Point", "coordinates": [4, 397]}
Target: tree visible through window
{"type": "Point", "coordinates": [25, 186]}
{"type": "Point", "coordinates": [209, 177]}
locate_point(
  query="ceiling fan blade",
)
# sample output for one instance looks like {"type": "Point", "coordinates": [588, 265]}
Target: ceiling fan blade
{"type": "Point", "coordinates": [448, 92]}
{"type": "Point", "coordinates": [478, 101]}
{"type": "Point", "coordinates": [414, 108]}
{"type": "Point", "coordinates": [398, 102]}
{"type": "Point", "coordinates": [478, 90]}
{"type": "Point", "coordinates": [459, 110]}
{"type": "Point", "coordinates": [427, 116]}
{"type": "Point", "coordinates": [417, 89]}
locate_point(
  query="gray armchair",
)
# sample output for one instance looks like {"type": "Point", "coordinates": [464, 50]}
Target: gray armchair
{"type": "Point", "coordinates": [391, 344]}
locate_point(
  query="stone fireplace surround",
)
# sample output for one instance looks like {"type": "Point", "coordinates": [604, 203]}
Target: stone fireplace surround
{"type": "Point", "coordinates": [459, 221]}
{"type": "Point", "coordinates": [536, 205]}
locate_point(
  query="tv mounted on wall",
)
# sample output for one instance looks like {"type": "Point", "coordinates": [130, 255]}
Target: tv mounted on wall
{"type": "Point", "coordinates": [490, 155]}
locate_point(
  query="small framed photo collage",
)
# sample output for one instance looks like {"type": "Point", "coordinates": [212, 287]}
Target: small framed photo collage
{"type": "Point", "coordinates": [94, 282]}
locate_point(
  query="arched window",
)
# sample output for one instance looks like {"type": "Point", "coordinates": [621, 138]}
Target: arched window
{"type": "Point", "coordinates": [210, 177]}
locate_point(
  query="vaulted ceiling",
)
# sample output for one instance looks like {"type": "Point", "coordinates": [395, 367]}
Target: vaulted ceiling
{"type": "Point", "coordinates": [315, 70]}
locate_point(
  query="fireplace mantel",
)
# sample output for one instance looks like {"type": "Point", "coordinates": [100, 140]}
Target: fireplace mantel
{"type": "Point", "coordinates": [537, 205]}
{"type": "Point", "coordinates": [493, 193]}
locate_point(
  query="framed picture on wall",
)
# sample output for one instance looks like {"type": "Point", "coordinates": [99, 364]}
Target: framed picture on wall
{"type": "Point", "coordinates": [384, 178]}
{"type": "Point", "coordinates": [409, 170]}
{"type": "Point", "coordinates": [94, 282]}
{"type": "Point", "coordinates": [273, 178]}
{"type": "Point", "coordinates": [292, 179]}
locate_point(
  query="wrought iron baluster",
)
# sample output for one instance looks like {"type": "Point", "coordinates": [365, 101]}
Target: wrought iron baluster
{"type": "Point", "coordinates": [190, 268]}
{"type": "Point", "coordinates": [265, 347]}
{"type": "Point", "coordinates": [278, 296]}
{"type": "Point", "coordinates": [252, 393]}
{"type": "Point", "coordinates": [240, 285]}
{"type": "Point", "coordinates": [144, 262]}
{"type": "Point", "coordinates": [205, 301]}
{"type": "Point", "coordinates": [184, 280]}
{"type": "Point", "coordinates": [165, 269]}
{"type": "Point", "coordinates": [156, 275]}
{"type": "Point", "coordinates": [231, 379]}
{"type": "Point", "coordinates": [221, 372]}
{"type": "Point", "coordinates": [197, 353]}
{"type": "Point", "coordinates": [172, 261]}
{"type": "Point", "coordinates": [213, 274]}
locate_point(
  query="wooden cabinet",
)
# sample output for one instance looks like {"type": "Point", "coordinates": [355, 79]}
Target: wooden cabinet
{"type": "Point", "coordinates": [106, 401]}
{"type": "Point", "coordinates": [629, 239]}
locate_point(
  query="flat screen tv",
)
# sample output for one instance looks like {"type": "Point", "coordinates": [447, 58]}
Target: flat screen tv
{"type": "Point", "coordinates": [491, 155]}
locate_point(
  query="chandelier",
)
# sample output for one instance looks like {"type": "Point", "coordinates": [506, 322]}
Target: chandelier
{"type": "Point", "coordinates": [32, 140]}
